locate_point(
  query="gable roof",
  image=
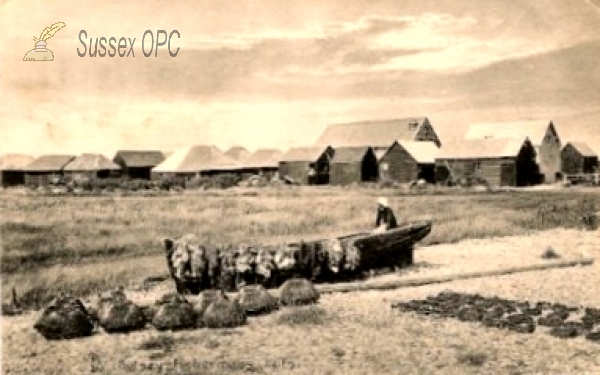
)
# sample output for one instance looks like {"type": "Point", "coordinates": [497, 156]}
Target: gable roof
{"type": "Point", "coordinates": [308, 154]}
{"type": "Point", "coordinates": [138, 159]}
{"type": "Point", "coordinates": [350, 154]}
{"type": "Point", "coordinates": [49, 163]}
{"type": "Point", "coordinates": [481, 149]}
{"type": "Point", "coordinates": [197, 158]}
{"type": "Point", "coordinates": [534, 130]}
{"type": "Point", "coordinates": [583, 149]}
{"type": "Point", "coordinates": [422, 152]}
{"type": "Point", "coordinates": [14, 162]}
{"type": "Point", "coordinates": [376, 133]}
{"type": "Point", "coordinates": [91, 162]}
{"type": "Point", "coordinates": [380, 152]}
{"type": "Point", "coordinates": [263, 158]}
{"type": "Point", "coordinates": [238, 153]}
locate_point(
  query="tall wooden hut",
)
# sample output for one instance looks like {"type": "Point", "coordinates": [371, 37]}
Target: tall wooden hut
{"type": "Point", "coordinates": [263, 162]}
{"type": "Point", "coordinates": [542, 135]}
{"type": "Point", "coordinates": [46, 168]}
{"type": "Point", "coordinates": [378, 134]}
{"type": "Point", "coordinates": [12, 169]}
{"type": "Point", "coordinates": [353, 164]}
{"type": "Point", "coordinates": [195, 161]}
{"type": "Point", "coordinates": [238, 153]}
{"type": "Point", "coordinates": [578, 158]}
{"type": "Point", "coordinates": [307, 165]}
{"type": "Point", "coordinates": [92, 166]}
{"type": "Point", "coordinates": [406, 161]}
{"type": "Point", "coordinates": [499, 162]}
{"type": "Point", "coordinates": [138, 164]}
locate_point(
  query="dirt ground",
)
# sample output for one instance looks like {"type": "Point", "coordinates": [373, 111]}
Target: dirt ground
{"type": "Point", "coordinates": [359, 333]}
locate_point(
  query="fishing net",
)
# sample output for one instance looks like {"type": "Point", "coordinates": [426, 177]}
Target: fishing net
{"type": "Point", "coordinates": [64, 318]}
{"type": "Point", "coordinates": [224, 313]}
{"type": "Point", "coordinates": [296, 291]}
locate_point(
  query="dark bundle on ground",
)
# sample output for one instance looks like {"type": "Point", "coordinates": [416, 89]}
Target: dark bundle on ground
{"type": "Point", "coordinates": [65, 318]}
{"type": "Point", "coordinates": [296, 291]}
{"type": "Point", "coordinates": [591, 317]}
{"type": "Point", "coordinates": [549, 253]}
{"type": "Point", "coordinates": [171, 298]}
{"type": "Point", "coordinates": [224, 313]}
{"type": "Point", "coordinates": [490, 312]}
{"type": "Point", "coordinates": [568, 330]}
{"type": "Point", "coordinates": [521, 323]}
{"type": "Point", "coordinates": [593, 336]}
{"type": "Point", "coordinates": [470, 314]}
{"type": "Point", "coordinates": [554, 319]}
{"type": "Point", "coordinates": [207, 297]}
{"type": "Point", "coordinates": [255, 300]}
{"type": "Point", "coordinates": [174, 313]}
{"type": "Point", "coordinates": [117, 314]}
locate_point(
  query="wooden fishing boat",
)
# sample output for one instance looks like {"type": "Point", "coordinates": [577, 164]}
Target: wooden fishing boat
{"type": "Point", "coordinates": [393, 247]}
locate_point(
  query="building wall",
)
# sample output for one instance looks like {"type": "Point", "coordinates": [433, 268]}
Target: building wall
{"type": "Point", "coordinates": [427, 133]}
{"type": "Point", "coordinates": [398, 166]}
{"type": "Point", "coordinates": [549, 158]}
{"type": "Point", "coordinates": [41, 178]}
{"type": "Point", "coordinates": [138, 173]}
{"type": "Point", "coordinates": [496, 172]}
{"type": "Point", "coordinates": [572, 162]}
{"type": "Point", "coordinates": [93, 174]}
{"type": "Point", "coordinates": [11, 178]}
{"type": "Point", "coordinates": [297, 170]}
{"type": "Point", "coordinates": [346, 173]}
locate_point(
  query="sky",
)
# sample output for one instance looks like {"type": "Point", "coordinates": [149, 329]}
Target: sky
{"type": "Point", "coordinates": [274, 74]}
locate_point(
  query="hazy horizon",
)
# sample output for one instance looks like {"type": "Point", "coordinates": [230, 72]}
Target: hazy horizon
{"type": "Point", "coordinates": [268, 74]}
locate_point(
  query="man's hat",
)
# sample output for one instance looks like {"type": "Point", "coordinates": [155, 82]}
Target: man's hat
{"type": "Point", "coordinates": [383, 201]}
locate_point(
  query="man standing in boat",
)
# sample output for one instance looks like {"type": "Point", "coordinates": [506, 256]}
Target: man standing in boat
{"type": "Point", "coordinates": [385, 217]}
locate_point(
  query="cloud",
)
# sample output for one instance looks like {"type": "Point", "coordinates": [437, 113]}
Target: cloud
{"type": "Point", "coordinates": [427, 42]}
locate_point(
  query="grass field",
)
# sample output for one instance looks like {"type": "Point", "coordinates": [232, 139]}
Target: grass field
{"type": "Point", "coordinates": [87, 244]}
{"type": "Point", "coordinates": [353, 333]}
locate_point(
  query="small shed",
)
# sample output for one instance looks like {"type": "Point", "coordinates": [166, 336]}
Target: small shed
{"type": "Point", "coordinates": [46, 168]}
{"type": "Point", "coordinates": [498, 162]}
{"type": "Point", "coordinates": [138, 164]}
{"type": "Point", "coordinates": [307, 165]}
{"type": "Point", "coordinates": [406, 161]}
{"type": "Point", "coordinates": [12, 169]}
{"type": "Point", "coordinates": [195, 161]}
{"type": "Point", "coordinates": [238, 153]}
{"type": "Point", "coordinates": [541, 133]}
{"type": "Point", "coordinates": [578, 158]}
{"type": "Point", "coordinates": [92, 166]}
{"type": "Point", "coordinates": [353, 164]}
{"type": "Point", "coordinates": [264, 162]}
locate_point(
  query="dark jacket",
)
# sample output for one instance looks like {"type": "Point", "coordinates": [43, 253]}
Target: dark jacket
{"type": "Point", "coordinates": [386, 216]}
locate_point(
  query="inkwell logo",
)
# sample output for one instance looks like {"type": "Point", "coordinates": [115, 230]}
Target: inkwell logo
{"type": "Point", "coordinates": [40, 52]}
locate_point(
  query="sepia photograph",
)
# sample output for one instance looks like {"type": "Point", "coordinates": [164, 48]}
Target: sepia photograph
{"type": "Point", "coordinates": [300, 187]}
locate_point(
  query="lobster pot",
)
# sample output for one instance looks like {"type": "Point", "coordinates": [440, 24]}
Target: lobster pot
{"type": "Point", "coordinates": [394, 247]}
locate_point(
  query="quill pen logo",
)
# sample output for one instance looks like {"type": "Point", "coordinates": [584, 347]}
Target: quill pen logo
{"type": "Point", "coordinates": [40, 52]}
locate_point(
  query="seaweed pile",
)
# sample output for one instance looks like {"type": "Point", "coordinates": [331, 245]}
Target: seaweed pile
{"type": "Point", "coordinates": [66, 317]}
{"type": "Point", "coordinates": [525, 317]}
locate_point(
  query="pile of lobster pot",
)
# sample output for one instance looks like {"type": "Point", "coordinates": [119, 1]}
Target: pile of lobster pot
{"type": "Point", "coordinates": [196, 267]}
